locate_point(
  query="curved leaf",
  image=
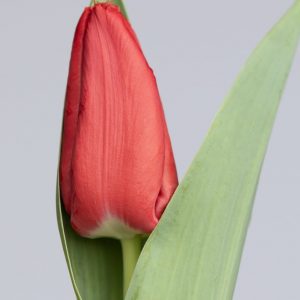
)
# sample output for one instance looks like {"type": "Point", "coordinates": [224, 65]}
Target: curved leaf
{"type": "Point", "coordinates": [95, 266]}
{"type": "Point", "coordinates": [194, 252]}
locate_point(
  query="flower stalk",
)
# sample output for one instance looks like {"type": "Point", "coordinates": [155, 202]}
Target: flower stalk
{"type": "Point", "coordinates": [131, 249]}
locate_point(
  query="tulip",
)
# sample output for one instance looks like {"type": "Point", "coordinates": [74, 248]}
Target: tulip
{"type": "Point", "coordinates": [117, 170]}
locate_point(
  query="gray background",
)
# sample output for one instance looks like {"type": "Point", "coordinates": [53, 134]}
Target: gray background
{"type": "Point", "coordinates": [196, 49]}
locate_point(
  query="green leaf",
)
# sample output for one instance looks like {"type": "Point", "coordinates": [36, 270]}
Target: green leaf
{"type": "Point", "coordinates": [95, 266]}
{"type": "Point", "coordinates": [194, 253]}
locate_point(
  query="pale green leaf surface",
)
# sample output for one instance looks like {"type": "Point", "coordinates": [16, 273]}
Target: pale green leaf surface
{"type": "Point", "coordinates": [194, 253]}
{"type": "Point", "coordinates": [95, 266]}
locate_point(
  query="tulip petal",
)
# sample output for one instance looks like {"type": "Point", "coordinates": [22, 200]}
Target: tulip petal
{"type": "Point", "coordinates": [169, 179]}
{"type": "Point", "coordinates": [95, 266]}
{"type": "Point", "coordinates": [71, 111]}
{"type": "Point", "coordinates": [122, 166]}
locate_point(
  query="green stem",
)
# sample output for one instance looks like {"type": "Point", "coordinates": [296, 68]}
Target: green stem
{"type": "Point", "coordinates": [131, 249]}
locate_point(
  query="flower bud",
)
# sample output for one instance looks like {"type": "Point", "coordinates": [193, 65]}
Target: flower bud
{"type": "Point", "coordinates": [117, 170]}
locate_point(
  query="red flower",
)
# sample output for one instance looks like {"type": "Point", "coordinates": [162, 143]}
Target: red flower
{"type": "Point", "coordinates": [117, 171]}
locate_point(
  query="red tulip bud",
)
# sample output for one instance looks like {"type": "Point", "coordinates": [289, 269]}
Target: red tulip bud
{"type": "Point", "coordinates": [117, 170]}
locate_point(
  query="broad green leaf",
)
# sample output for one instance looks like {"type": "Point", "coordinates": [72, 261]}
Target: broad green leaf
{"type": "Point", "coordinates": [194, 253]}
{"type": "Point", "coordinates": [95, 266]}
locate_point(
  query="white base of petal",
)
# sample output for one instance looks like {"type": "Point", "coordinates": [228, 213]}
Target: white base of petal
{"type": "Point", "coordinates": [114, 228]}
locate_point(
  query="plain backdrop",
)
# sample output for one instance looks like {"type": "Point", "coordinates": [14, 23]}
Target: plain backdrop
{"type": "Point", "coordinates": [196, 49]}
